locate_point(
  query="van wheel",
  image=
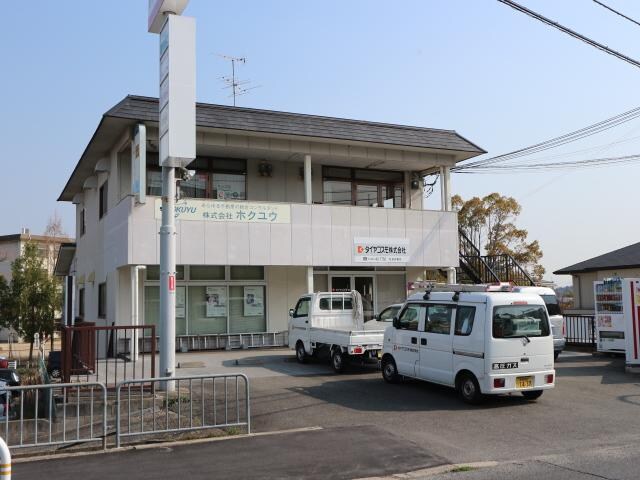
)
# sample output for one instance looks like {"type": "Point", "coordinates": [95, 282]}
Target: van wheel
{"type": "Point", "coordinates": [338, 360]}
{"type": "Point", "coordinates": [469, 390]}
{"type": "Point", "coordinates": [390, 371]}
{"type": "Point", "coordinates": [301, 354]}
{"type": "Point", "coordinates": [556, 355]}
{"type": "Point", "coordinates": [532, 394]}
{"type": "Point", "coordinates": [55, 373]}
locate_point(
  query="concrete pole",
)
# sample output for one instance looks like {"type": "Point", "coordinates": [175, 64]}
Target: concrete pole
{"type": "Point", "coordinates": [308, 198]}
{"type": "Point", "coordinates": [168, 277]}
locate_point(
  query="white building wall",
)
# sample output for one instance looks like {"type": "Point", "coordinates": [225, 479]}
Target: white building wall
{"type": "Point", "coordinates": [284, 286]}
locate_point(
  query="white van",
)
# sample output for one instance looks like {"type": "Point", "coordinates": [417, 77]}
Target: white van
{"type": "Point", "coordinates": [555, 314]}
{"type": "Point", "coordinates": [476, 341]}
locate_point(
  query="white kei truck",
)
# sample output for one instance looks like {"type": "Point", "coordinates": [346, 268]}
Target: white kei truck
{"type": "Point", "coordinates": [479, 342]}
{"type": "Point", "coordinates": [332, 324]}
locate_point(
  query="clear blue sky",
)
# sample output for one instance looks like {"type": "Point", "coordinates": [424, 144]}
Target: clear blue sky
{"type": "Point", "coordinates": [498, 77]}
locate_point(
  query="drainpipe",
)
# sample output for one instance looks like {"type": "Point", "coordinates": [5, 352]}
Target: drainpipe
{"type": "Point", "coordinates": [445, 191]}
{"type": "Point", "coordinates": [5, 460]}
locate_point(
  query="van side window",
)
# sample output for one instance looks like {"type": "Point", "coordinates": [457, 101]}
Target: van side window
{"type": "Point", "coordinates": [438, 319]}
{"type": "Point", "coordinates": [410, 317]}
{"type": "Point", "coordinates": [464, 320]}
{"type": "Point", "coordinates": [302, 308]}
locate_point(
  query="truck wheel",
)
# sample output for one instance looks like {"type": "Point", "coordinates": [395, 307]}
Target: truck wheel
{"type": "Point", "coordinates": [301, 354]}
{"type": "Point", "coordinates": [469, 390]}
{"type": "Point", "coordinates": [55, 373]}
{"type": "Point", "coordinates": [390, 371]}
{"type": "Point", "coordinates": [532, 394]}
{"type": "Point", "coordinates": [338, 360]}
{"type": "Point", "coordinates": [556, 355]}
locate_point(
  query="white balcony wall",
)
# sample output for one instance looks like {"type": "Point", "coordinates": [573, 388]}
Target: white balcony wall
{"type": "Point", "coordinates": [318, 235]}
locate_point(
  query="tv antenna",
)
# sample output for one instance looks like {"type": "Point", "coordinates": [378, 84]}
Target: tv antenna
{"type": "Point", "coordinates": [238, 87]}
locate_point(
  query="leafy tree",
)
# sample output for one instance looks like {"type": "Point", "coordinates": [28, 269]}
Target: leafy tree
{"type": "Point", "coordinates": [490, 223]}
{"type": "Point", "coordinates": [31, 300]}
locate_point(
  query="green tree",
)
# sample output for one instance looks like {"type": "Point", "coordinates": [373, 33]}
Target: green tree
{"type": "Point", "coordinates": [31, 299]}
{"type": "Point", "coordinates": [490, 223]}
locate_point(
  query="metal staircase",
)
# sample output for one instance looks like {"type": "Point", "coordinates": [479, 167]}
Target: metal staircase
{"type": "Point", "coordinates": [477, 268]}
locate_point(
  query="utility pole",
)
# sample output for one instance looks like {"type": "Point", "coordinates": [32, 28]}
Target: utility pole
{"type": "Point", "coordinates": [177, 135]}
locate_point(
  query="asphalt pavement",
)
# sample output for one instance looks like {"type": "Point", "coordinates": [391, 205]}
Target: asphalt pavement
{"type": "Point", "coordinates": [587, 427]}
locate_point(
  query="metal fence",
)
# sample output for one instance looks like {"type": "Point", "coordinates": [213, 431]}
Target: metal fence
{"type": "Point", "coordinates": [199, 402]}
{"type": "Point", "coordinates": [54, 414]}
{"type": "Point", "coordinates": [580, 330]}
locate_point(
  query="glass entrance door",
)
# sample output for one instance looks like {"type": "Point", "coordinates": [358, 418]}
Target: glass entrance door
{"type": "Point", "coordinates": [364, 285]}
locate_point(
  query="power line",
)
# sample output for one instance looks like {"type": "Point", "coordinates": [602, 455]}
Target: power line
{"type": "Point", "coordinates": [571, 165]}
{"type": "Point", "coordinates": [579, 134]}
{"type": "Point", "coordinates": [573, 33]}
{"type": "Point", "coordinates": [617, 12]}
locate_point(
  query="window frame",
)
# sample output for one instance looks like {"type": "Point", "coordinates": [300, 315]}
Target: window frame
{"type": "Point", "coordinates": [355, 181]}
{"type": "Point", "coordinates": [103, 199]}
{"type": "Point", "coordinates": [421, 309]}
{"type": "Point", "coordinates": [102, 300]}
{"type": "Point", "coordinates": [473, 318]}
{"type": "Point", "coordinates": [450, 306]}
{"type": "Point", "coordinates": [300, 302]}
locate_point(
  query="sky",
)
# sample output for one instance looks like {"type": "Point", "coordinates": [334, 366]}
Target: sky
{"type": "Point", "coordinates": [496, 76]}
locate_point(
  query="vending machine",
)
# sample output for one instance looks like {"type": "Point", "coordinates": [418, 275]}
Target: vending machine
{"type": "Point", "coordinates": [610, 315]}
{"type": "Point", "coordinates": [631, 307]}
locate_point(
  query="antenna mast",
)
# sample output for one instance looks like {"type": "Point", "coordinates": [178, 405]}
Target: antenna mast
{"type": "Point", "coordinates": [237, 86]}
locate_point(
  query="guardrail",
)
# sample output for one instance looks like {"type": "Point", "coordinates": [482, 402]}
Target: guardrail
{"type": "Point", "coordinates": [199, 402]}
{"type": "Point", "coordinates": [54, 414]}
{"type": "Point", "coordinates": [580, 330]}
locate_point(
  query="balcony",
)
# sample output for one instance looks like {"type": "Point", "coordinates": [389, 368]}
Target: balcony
{"type": "Point", "coordinates": [306, 235]}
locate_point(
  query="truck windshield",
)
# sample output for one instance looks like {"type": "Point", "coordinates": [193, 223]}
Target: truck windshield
{"type": "Point", "coordinates": [551, 301]}
{"type": "Point", "coordinates": [514, 321]}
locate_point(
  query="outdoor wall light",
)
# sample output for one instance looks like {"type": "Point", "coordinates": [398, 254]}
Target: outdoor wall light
{"type": "Point", "coordinates": [415, 184]}
{"type": "Point", "coordinates": [265, 169]}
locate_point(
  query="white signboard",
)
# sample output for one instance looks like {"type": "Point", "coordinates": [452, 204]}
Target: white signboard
{"type": "Point", "coordinates": [180, 302]}
{"type": "Point", "coordinates": [226, 211]}
{"type": "Point", "coordinates": [381, 250]}
{"type": "Point", "coordinates": [216, 301]}
{"type": "Point", "coordinates": [253, 301]}
{"type": "Point", "coordinates": [177, 92]}
{"type": "Point", "coordinates": [139, 164]}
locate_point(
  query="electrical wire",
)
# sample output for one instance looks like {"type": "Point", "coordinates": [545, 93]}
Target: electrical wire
{"type": "Point", "coordinates": [570, 165]}
{"type": "Point", "coordinates": [617, 12]}
{"type": "Point", "coordinates": [570, 32]}
{"type": "Point", "coordinates": [576, 135]}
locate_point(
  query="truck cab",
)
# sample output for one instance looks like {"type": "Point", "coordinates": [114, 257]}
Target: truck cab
{"type": "Point", "coordinates": [479, 342]}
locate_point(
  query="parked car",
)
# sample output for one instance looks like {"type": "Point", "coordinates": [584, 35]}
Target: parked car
{"type": "Point", "coordinates": [54, 364]}
{"type": "Point", "coordinates": [384, 318]}
{"type": "Point", "coordinates": [10, 376]}
{"type": "Point", "coordinates": [555, 314]}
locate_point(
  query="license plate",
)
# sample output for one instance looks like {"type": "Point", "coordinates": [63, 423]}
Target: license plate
{"type": "Point", "coordinates": [524, 382]}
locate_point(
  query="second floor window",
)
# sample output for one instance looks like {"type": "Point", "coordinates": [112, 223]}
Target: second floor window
{"type": "Point", "coordinates": [367, 188]}
{"type": "Point", "coordinates": [104, 195]}
{"type": "Point", "coordinates": [219, 178]}
{"type": "Point", "coordinates": [83, 225]}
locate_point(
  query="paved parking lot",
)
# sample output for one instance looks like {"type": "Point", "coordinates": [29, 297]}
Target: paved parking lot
{"type": "Point", "coordinates": [594, 412]}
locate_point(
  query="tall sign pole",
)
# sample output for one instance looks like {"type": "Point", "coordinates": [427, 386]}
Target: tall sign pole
{"type": "Point", "coordinates": [177, 140]}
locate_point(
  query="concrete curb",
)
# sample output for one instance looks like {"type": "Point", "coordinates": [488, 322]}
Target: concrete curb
{"type": "Point", "coordinates": [428, 472]}
{"type": "Point", "coordinates": [165, 445]}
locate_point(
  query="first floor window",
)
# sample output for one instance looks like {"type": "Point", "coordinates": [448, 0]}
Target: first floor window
{"type": "Point", "coordinates": [102, 300]}
{"type": "Point", "coordinates": [81, 303]}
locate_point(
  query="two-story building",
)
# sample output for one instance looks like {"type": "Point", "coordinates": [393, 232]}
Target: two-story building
{"type": "Point", "coordinates": [254, 231]}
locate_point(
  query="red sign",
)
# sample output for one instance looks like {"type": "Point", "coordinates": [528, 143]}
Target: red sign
{"type": "Point", "coordinates": [172, 283]}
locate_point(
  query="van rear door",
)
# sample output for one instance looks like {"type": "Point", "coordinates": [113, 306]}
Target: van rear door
{"type": "Point", "coordinates": [520, 339]}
